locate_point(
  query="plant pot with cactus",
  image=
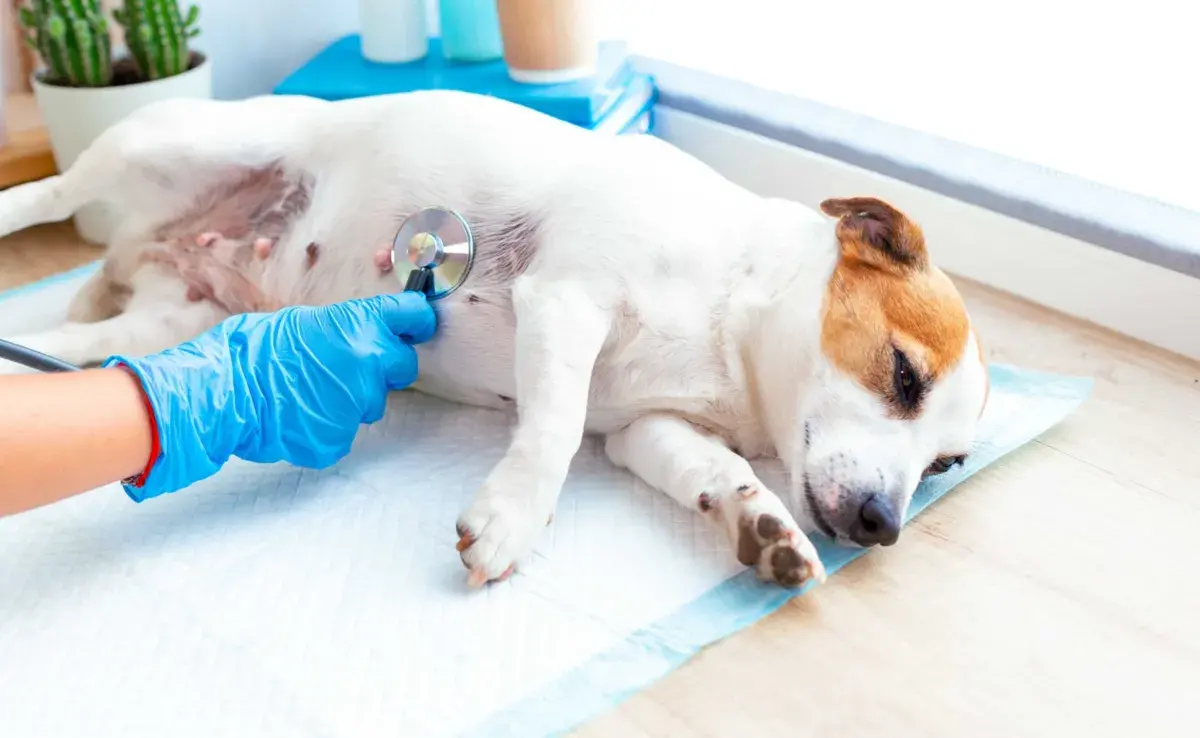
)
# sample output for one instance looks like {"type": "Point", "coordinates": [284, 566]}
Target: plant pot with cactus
{"type": "Point", "coordinates": [83, 88]}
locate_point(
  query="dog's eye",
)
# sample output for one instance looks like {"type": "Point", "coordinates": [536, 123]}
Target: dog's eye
{"type": "Point", "coordinates": [908, 385]}
{"type": "Point", "coordinates": [943, 464]}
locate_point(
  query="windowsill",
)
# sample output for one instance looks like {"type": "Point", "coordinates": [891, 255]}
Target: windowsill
{"type": "Point", "coordinates": [1135, 225]}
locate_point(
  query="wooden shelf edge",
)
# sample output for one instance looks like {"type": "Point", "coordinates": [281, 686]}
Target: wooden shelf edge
{"type": "Point", "coordinates": [26, 154]}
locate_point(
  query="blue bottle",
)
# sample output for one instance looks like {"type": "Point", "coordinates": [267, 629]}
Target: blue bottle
{"type": "Point", "coordinates": [470, 30]}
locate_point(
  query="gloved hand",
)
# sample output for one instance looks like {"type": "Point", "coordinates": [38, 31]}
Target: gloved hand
{"type": "Point", "coordinates": [293, 385]}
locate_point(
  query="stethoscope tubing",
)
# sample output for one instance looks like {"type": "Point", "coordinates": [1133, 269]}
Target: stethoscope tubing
{"type": "Point", "coordinates": [31, 359]}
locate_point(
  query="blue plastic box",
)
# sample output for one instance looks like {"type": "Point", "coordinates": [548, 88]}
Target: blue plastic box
{"type": "Point", "coordinates": [340, 72]}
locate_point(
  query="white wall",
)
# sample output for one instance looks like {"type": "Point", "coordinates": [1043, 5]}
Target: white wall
{"type": "Point", "coordinates": [254, 44]}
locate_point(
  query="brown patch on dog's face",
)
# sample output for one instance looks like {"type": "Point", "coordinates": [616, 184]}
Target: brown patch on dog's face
{"type": "Point", "coordinates": [892, 321]}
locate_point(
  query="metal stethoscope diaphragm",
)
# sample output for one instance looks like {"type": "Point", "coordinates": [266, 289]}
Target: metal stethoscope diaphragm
{"type": "Point", "coordinates": [433, 252]}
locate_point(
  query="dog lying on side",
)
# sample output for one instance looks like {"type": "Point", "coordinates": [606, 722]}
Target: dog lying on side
{"type": "Point", "coordinates": [620, 288]}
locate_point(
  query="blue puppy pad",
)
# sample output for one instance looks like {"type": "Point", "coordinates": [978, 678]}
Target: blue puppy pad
{"type": "Point", "coordinates": [1023, 405]}
{"type": "Point", "coordinates": [270, 600]}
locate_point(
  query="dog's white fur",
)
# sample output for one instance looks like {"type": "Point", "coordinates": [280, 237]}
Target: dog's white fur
{"type": "Point", "coordinates": [662, 306]}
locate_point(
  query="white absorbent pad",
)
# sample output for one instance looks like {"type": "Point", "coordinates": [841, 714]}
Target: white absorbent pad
{"type": "Point", "coordinates": [274, 601]}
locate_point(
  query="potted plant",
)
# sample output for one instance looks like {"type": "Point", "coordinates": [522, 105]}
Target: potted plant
{"type": "Point", "coordinates": [83, 90]}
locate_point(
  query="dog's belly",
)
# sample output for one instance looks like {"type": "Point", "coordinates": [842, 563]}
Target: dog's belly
{"type": "Point", "coordinates": [471, 361]}
{"type": "Point", "coordinates": [654, 374]}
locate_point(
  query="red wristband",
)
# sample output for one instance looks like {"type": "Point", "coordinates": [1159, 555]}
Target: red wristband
{"type": "Point", "coordinates": [155, 444]}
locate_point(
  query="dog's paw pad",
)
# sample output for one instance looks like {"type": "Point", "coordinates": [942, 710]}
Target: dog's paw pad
{"type": "Point", "coordinates": [770, 528]}
{"type": "Point", "coordinates": [263, 247]}
{"type": "Point", "coordinates": [779, 552]}
{"type": "Point", "coordinates": [788, 567]}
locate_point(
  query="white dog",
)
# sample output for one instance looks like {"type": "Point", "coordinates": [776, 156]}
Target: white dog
{"type": "Point", "coordinates": [621, 288]}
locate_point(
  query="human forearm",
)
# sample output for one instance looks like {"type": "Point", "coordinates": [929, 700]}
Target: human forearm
{"type": "Point", "coordinates": [63, 434]}
{"type": "Point", "coordinates": [293, 386]}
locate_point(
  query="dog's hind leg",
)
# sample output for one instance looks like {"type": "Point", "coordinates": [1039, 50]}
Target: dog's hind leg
{"type": "Point", "coordinates": [561, 330]}
{"type": "Point", "coordinates": [701, 473]}
{"type": "Point", "coordinates": [95, 176]}
{"type": "Point", "coordinates": [151, 164]}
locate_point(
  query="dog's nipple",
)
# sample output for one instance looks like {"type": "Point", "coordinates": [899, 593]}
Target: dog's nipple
{"type": "Point", "coordinates": [204, 240]}
{"type": "Point", "coordinates": [262, 247]}
{"type": "Point", "coordinates": [383, 260]}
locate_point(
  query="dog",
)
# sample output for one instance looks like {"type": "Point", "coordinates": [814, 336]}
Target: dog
{"type": "Point", "coordinates": [621, 288]}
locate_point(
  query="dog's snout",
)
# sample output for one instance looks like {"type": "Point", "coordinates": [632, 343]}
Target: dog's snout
{"type": "Point", "coordinates": [877, 524]}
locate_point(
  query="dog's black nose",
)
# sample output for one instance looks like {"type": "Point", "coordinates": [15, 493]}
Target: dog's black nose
{"type": "Point", "coordinates": [877, 523]}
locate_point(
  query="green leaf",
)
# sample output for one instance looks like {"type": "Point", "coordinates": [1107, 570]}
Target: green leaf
{"type": "Point", "coordinates": [193, 15]}
{"type": "Point", "coordinates": [119, 16]}
{"type": "Point", "coordinates": [31, 43]}
{"type": "Point", "coordinates": [193, 32]}
{"type": "Point", "coordinates": [28, 19]}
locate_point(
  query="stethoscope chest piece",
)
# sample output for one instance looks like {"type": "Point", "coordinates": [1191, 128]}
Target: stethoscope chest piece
{"type": "Point", "coordinates": [433, 252]}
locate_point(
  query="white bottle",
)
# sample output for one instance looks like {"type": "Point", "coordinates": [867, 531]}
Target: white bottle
{"type": "Point", "coordinates": [393, 31]}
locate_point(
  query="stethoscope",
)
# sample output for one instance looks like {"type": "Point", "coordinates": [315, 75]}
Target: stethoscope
{"type": "Point", "coordinates": [432, 253]}
{"type": "Point", "coordinates": [438, 251]}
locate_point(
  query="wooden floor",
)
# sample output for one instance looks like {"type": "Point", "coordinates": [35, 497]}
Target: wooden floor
{"type": "Point", "coordinates": [41, 251]}
{"type": "Point", "coordinates": [1055, 594]}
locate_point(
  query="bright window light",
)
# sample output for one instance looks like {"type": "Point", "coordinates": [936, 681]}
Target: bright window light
{"type": "Point", "coordinates": [1106, 92]}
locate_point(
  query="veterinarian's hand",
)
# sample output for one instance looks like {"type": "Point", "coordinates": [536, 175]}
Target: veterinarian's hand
{"type": "Point", "coordinates": [293, 385]}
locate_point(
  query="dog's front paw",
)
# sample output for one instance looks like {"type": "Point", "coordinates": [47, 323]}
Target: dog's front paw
{"type": "Point", "coordinates": [495, 534]}
{"type": "Point", "coordinates": [768, 539]}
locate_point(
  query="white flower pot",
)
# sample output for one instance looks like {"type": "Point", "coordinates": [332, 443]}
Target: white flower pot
{"type": "Point", "coordinates": [75, 116]}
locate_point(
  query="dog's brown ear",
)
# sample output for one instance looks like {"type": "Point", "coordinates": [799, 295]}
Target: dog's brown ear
{"type": "Point", "coordinates": [877, 233]}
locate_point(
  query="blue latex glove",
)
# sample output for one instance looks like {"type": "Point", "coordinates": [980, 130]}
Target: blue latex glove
{"type": "Point", "coordinates": [294, 386]}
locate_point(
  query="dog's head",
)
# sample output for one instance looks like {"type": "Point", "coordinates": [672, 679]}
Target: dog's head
{"type": "Point", "coordinates": [898, 382]}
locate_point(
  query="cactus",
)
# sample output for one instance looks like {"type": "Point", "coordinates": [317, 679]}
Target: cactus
{"type": "Point", "coordinates": [157, 35]}
{"type": "Point", "coordinates": [72, 38]}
